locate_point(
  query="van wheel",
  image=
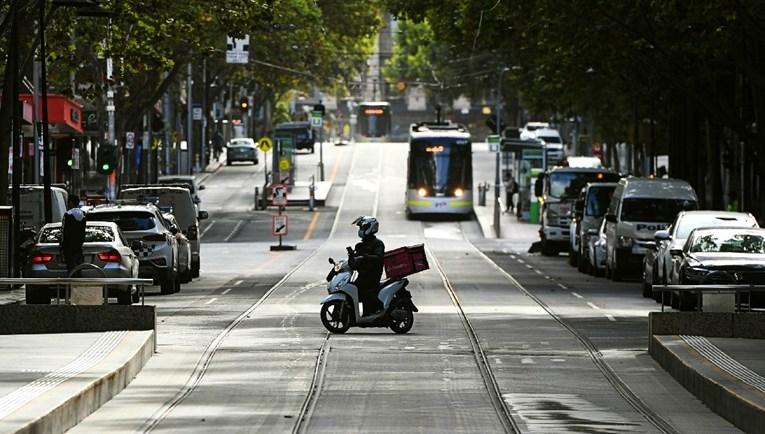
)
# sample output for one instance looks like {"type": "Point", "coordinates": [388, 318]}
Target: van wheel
{"type": "Point", "coordinates": [573, 257]}
{"type": "Point", "coordinates": [125, 298]}
{"type": "Point", "coordinates": [548, 249]}
{"type": "Point", "coordinates": [167, 286]}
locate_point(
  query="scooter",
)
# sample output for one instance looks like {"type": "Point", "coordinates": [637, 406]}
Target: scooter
{"type": "Point", "coordinates": [340, 309]}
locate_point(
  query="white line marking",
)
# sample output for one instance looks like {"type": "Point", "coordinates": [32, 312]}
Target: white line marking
{"type": "Point", "coordinates": [562, 286]}
{"type": "Point", "coordinates": [576, 295]}
{"type": "Point", "coordinates": [376, 204]}
{"type": "Point", "coordinates": [610, 317]}
{"type": "Point", "coordinates": [212, 223]}
{"type": "Point", "coordinates": [521, 261]}
{"type": "Point", "coordinates": [226, 291]}
{"type": "Point", "coordinates": [238, 282]}
{"type": "Point", "coordinates": [538, 272]}
{"type": "Point", "coordinates": [593, 306]}
{"type": "Point", "coordinates": [233, 232]}
{"type": "Point", "coordinates": [529, 267]}
{"type": "Point", "coordinates": [212, 300]}
{"type": "Point", "coordinates": [527, 361]}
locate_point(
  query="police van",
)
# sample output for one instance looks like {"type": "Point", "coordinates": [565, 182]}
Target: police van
{"type": "Point", "coordinates": [639, 208]}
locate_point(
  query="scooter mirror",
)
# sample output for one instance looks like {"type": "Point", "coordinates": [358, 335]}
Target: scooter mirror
{"type": "Point", "coordinates": [331, 261]}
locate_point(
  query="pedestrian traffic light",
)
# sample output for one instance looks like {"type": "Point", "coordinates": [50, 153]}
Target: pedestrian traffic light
{"type": "Point", "coordinates": [244, 103]}
{"type": "Point", "coordinates": [106, 159]}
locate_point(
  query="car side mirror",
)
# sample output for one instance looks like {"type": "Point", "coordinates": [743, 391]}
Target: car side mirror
{"type": "Point", "coordinates": [203, 215]}
{"type": "Point", "coordinates": [611, 218]}
{"type": "Point", "coordinates": [331, 261]}
{"type": "Point", "coordinates": [174, 230]}
{"type": "Point", "coordinates": [676, 252]}
{"type": "Point", "coordinates": [197, 200]}
{"type": "Point", "coordinates": [202, 187]}
{"type": "Point", "coordinates": [661, 236]}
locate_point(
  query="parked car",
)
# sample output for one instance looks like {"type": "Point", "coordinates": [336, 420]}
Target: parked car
{"type": "Point", "coordinates": [32, 205]}
{"type": "Point", "coordinates": [589, 211]}
{"type": "Point", "coordinates": [158, 251]}
{"type": "Point", "coordinates": [720, 256]}
{"type": "Point", "coordinates": [105, 248]}
{"type": "Point", "coordinates": [640, 207]}
{"type": "Point", "coordinates": [184, 249]}
{"type": "Point", "coordinates": [189, 181]}
{"type": "Point", "coordinates": [177, 201]}
{"type": "Point", "coordinates": [596, 250]}
{"type": "Point", "coordinates": [657, 263]}
{"type": "Point", "coordinates": [242, 149]}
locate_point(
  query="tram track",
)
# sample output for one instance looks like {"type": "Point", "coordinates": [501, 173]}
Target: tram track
{"type": "Point", "coordinates": [484, 366]}
{"type": "Point", "coordinates": [594, 353]}
{"type": "Point", "coordinates": [314, 390]}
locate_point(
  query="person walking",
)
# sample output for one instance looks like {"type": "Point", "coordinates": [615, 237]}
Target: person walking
{"type": "Point", "coordinates": [511, 187]}
{"type": "Point", "coordinates": [217, 142]}
{"type": "Point", "coordinates": [73, 235]}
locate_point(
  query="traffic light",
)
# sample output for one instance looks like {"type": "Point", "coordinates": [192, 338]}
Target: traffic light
{"type": "Point", "coordinates": [244, 103]}
{"type": "Point", "coordinates": [106, 159]}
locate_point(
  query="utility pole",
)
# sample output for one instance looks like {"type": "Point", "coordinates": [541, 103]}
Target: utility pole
{"type": "Point", "coordinates": [13, 63]}
{"type": "Point", "coordinates": [48, 207]}
{"type": "Point", "coordinates": [190, 119]}
{"type": "Point", "coordinates": [497, 154]}
{"type": "Point", "coordinates": [203, 158]}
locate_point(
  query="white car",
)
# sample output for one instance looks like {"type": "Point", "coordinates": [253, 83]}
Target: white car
{"type": "Point", "coordinates": [596, 250]}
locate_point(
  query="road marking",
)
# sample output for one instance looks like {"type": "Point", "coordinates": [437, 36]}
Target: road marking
{"type": "Point", "coordinates": [234, 232]}
{"type": "Point", "coordinates": [226, 291]}
{"type": "Point", "coordinates": [238, 282]}
{"type": "Point", "coordinates": [212, 223]}
{"type": "Point", "coordinates": [269, 262]}
{"type": "Point", "coordinates": [311, 226]}
{"type": "Point", "coordinates": [336, 166]}
{"type": "Point", "coordinates": [610, 317]}
{"type": "Point", "coordinates": [376, 204]}
{"type": "Point", "coordinates": [212, 300]}
{"type": "Point", "coordinates": [538, 272]}
{"type": "Point", "coordinates": [529, 266]}
{"type": "Point", "coordinates": [592, 306]}
{"type": "Point", "coordinates": [521, 261]}
{"type": "Point", "coordinates": [527, 361]}
{"type": "Point", "coordinates": [562, 286]}
{"type": "Point", "coordinates": [576, 295]}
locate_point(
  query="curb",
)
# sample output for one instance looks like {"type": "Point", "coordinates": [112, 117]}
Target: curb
{"type": "Point", "coordinates": [62, 410]}
{"type": "Point", "coordinates": [732, 399]}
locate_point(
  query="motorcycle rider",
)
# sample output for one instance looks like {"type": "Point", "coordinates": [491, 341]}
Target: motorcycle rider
{"type": "Point", "coordinates": [367, 259]}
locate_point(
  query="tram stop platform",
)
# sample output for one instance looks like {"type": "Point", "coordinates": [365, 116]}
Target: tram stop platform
{"type": "Point", "coordinates": [300, 193]}
{"type": "Point", "coordinates": [51, 382]}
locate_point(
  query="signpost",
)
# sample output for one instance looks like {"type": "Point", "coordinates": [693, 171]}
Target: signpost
{"type": "Point", "coordinates": [129, 140]}
{"type": "Point", "coordinates": [265, 144]}
{"type": "Point", "coordinates": [317, 121]}
{"type": "Point", "coordinates": [238, 50]}
{"type": "Point", "coordinates": [279, 221]}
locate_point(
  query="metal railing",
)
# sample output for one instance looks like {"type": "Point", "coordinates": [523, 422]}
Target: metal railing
{"type": "Point", "coordinates": [743, 293]}
{"type": "Point", "coordinates": [67, 282]}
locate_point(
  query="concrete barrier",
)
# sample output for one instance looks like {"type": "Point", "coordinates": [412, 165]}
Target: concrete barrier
{"type": "Point", "coordinates": [34, 319]}
{"type": "Point", "coordinates": [749, 325]}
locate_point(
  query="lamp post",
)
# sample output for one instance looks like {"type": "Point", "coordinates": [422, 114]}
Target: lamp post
{"type": "Point", "coordinates": [497, 181]}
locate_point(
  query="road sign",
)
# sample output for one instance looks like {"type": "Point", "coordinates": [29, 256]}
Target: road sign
{"type": "Point", "coordinates": [279, 226]}
{"type": "Point", "coordinates": [284, 165]}
{"type": "Point", "coordinates": [129, 140]}
{"type": "Point", "coordinates": [316, 119]}
{"type": "Point", "coordinates": [279, 195]}
{"type": "Point", "coordinates": [265, 144]}
{"type": "Point", "coordinates": [493, 141]}
{"type": "Point", "coordinates": [238, 50]}
{"type": "Point", "coordinates": [196, 112]}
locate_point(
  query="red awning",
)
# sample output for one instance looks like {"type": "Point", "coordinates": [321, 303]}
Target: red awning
{"type": "Point", "coordinates": [61, 110]}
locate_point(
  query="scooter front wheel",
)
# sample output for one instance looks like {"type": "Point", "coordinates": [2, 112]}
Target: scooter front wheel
{"type": "Point", "coordinates": [335, 316]}
{"type": "Point", "coordinates": [402, 320]}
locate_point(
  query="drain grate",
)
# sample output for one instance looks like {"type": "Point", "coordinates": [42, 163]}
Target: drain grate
{"type": "Point", "coordinates": [725, 362]}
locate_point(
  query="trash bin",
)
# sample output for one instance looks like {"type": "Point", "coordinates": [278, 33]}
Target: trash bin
{"type": "Point", "coordinates": [533, 209]}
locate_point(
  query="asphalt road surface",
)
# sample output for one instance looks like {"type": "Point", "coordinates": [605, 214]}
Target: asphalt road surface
{"type": "Point", "coordinates": [504, 341]}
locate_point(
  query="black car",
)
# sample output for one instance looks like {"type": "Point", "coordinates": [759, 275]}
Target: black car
{"type": "Point", "coordinates": [729, 256]}
{"type": "Point", "coordinates": [242, 149]}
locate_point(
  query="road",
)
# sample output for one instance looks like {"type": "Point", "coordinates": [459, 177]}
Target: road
{"type": "Point", "coordinates": [504, 341]}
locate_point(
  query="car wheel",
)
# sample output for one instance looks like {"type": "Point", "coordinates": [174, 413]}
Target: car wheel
{"type": "Point", "coordinates": [615, 272]}
{"type": "Point", "coordinates": [228, 163]}
{"type": "Point", "coordinates": [583, 262]}
{"type": "Point", "coordinates": [195, 270]}
{"type": "Point", "coordinates": [35, 295]}
{"type": "Point", "coordinates": [548, 249]}
{"type": "Point", "coordinates": [573, 257]}
{"type": "Point", "coordinates": [312, 149]}
{"type": "Point", "coordinates": [167, 286]}
{"type": "Point", "coordinates": [125, 298]}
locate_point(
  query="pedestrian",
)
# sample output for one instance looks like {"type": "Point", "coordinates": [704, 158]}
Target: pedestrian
{"type": "Point", "coordinates": [73, 235]}
{"type": "Point", "coordinates": [511, 187]}
{"type": "Point", "coordinates": [217, 142]}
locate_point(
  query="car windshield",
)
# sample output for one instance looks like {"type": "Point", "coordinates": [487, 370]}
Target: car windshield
{"type": "Point", "coordinates": [691, 222]}
{"type": "Point", "coordinates": [654, 210]}
{"type": "Point", "coordinates": [567, 185]}
{"type": "Point", "coordinates": [126, 220]}
{"type": "Point", "coordinates": [598, 200]}
{"type": "Point", "coordinates": [93, 234]}
{"type": "Point", "coordinates": [236, 143]}
{"type": "Point", "coordinates": [728, 242]}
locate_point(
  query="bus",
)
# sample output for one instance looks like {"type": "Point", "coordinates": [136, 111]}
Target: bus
{"type": "Point", "coordinates": [440, 170]}
{"type": "Point", "coordinates": [374, 121]}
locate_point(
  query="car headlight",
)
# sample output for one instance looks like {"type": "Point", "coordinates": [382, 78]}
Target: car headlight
{"type": "Point", "coordinates": [624, 242]}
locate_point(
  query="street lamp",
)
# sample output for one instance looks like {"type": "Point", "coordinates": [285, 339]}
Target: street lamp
{"type": "Point", "coordinates": [497, 210]}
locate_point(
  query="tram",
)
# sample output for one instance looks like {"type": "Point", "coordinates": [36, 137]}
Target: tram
{"type": "Point", "coordinates": [374, 121]}
{"type": "Point", "coordinates": [440, 170]}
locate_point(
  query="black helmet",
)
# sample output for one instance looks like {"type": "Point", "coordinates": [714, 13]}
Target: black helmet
{"type": "Point", "coordinates": [368, 225]}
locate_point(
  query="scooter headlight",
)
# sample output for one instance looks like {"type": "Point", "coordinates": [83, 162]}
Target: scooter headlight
{"type": "Point", "coordinates": [422, 192]}
{"type": "Point", "coordinates": [458, 192]}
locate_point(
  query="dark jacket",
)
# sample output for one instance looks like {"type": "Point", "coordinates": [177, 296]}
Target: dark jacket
{"type": "Point", "coordinates": [73, 232]}
{"type": "Point", "coordinates": [368, 261]}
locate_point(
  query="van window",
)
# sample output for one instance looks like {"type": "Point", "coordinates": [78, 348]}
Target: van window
{"type": "Point", "coordinates": [178, 202]}
{"type": "Point", "coordinates": [654, 210]}
{"type": "Point", "coordinates": [598, 200]}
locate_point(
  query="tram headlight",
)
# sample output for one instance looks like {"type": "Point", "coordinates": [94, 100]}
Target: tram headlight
{"type": "Point", "coordinates": [422, 192]}
{"type": "Point", "coordinates": [458, 192]}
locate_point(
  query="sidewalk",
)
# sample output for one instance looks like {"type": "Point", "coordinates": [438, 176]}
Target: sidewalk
{"type": "Point", "coordinates": [212, 167]}
{"type": "Point", "coordinates": [516, 235]}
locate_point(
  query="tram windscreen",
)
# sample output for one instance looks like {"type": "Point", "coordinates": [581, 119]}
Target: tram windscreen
{"type": "Point", "coordinates": [374, 121]}
{"type": "Point", "coordinates": [441, 165]}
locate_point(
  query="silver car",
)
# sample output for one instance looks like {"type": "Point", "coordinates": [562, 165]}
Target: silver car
{"type": "Point", "coordinates": [158, 253]}
{"type": "Point", "coordinates": [105, 248]}
{"type": "Point", "coordinates": [596, 250]}
{"type": "Point", "coordinates": [184, 249]}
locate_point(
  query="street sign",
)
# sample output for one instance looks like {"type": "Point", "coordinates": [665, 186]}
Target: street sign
{"type": "Point", "coordinates": [279, 195]}
{"type": "Point", "coordinates": [129, 140]}
{"type": "Point", "coordinates": [238, 50]}
{"type": "Point", "coordinates": [279, 225]}
{"type": "Point", "coordinates": [316, 119]}
{"type": "Point", "coordinates": [493, 141]}
{"type": "Point", "coordinates": [265, 144]}
{"type": "Point", "coordinates": [75, 158]}
{"type": "Point", "coordinates": [196, 112]}
{"type": "Point", "coordinates": [284, 165]}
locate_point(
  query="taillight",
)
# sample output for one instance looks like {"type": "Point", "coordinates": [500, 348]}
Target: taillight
{"type": "Point", "coordinates": [191, 233]}
{"type": "Point", "coordinates": [110, 256]}
{"type": "Point", "coordinates": [41, 258]}
{"type": "Point", "coordinates": [155, 237]}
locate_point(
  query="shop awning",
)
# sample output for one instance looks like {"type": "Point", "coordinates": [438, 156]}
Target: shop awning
{"type": "Point", "coordinates": [62, 111]}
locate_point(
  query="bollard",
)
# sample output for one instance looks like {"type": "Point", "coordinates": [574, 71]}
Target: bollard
{"type": "Point", "coordinates": [257, 199]}
{"type": "Point", "coordinates": [311, 192]}
{"type": "Point", "coordinates": [482, 194]}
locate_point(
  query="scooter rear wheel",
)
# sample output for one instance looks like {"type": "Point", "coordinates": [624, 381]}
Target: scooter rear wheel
{"type": "Point", "coordinates": [335, 316]}
{"type": "Point", "coordinates": [402, 320]}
